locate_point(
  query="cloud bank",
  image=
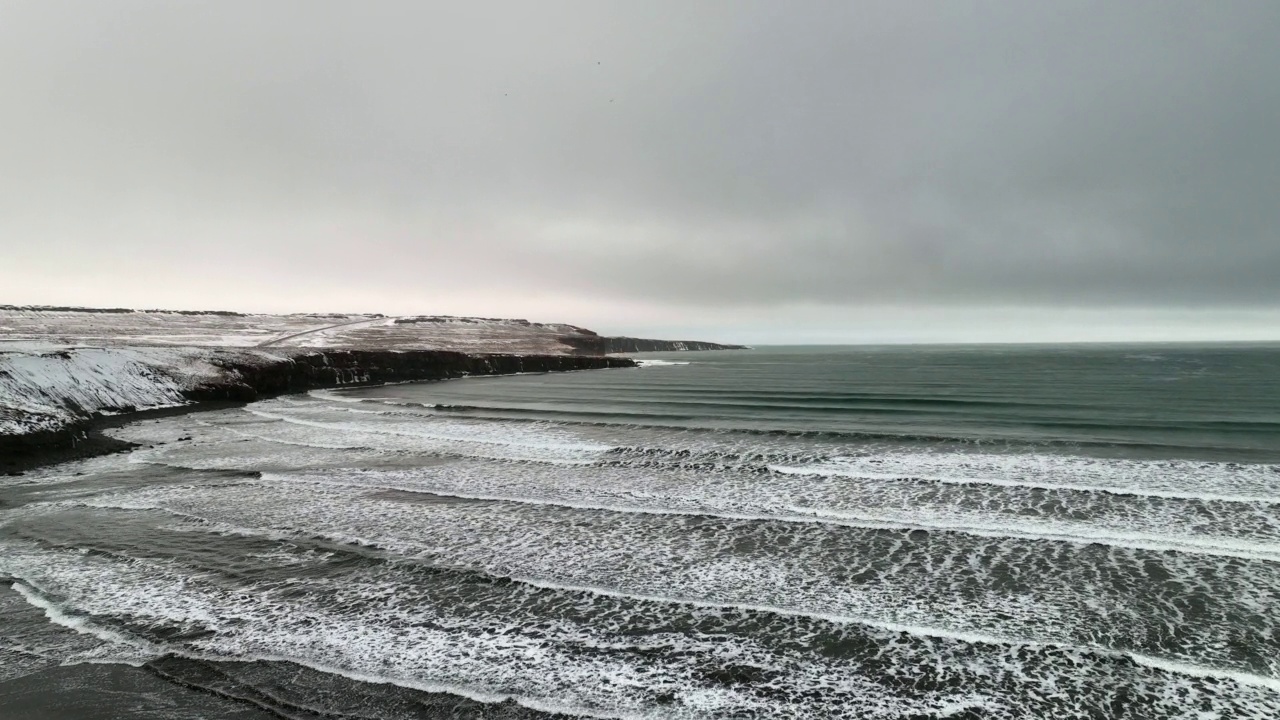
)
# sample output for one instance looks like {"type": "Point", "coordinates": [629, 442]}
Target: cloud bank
{"type": "Point", "coordinates": [973, 169]}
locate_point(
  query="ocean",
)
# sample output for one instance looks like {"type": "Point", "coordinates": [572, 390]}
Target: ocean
{"type": "Point", "coordinates": [982, 532]}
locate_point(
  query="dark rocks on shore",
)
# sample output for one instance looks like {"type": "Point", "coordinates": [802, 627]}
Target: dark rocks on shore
{"type": "Point", "coordinates": [44, 447]}
{"type": "Point", "coordinates": [600, 345]}
{"type": "Point", "coordinates": [345, 368]}
{"type": "Point", "coordinates": [248, 378]}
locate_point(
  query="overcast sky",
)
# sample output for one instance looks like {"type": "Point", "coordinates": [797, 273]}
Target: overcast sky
{"type": "Point", "coordinates": [785, 171]}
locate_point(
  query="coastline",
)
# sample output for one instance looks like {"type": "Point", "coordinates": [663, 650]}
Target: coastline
{"type": "Point", "coordinates": [175, 686]}
{"type": "Point", "coordinates": [243, 379]}
{"type": "Point", "coordinates": [69, 375]}
{"type": "Point", "coordinates": [543, 532]}
{"type": "Point", "coordinates": [66, 373]}
{"type": "Point", "coordinates": [172, 685]}
{"type": "Point", "coordinates": [85, 439]}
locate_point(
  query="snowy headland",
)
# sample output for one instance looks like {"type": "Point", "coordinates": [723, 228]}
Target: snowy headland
{"type": "Point", "coordinates": [62, 368]}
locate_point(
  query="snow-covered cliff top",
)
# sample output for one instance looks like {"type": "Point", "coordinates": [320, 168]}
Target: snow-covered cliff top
{"type": "Point", "coordinates": [45, 391]}
{"type": "Point", "coordinates": [59, 366]}
{"type": "Point", "coordinates": [36, 329]}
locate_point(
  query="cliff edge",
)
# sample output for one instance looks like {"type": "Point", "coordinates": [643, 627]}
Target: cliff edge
{"type": "Point", "coordinates": [54, 327]}
{"type": "Point", "coordinates": [64, 372]}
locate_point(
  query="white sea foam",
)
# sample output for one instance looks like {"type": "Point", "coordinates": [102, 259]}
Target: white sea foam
{"type": "Point", "coordinates": [1227, 482]}
{"type": "Point", "coordinates": [1175, 479]}
{"type": "Point", "coordinates": [122, 648]}
{"type": "Point", "coordinates": [1066, 558]}
{"type": "Point", "coordinates": [654, 362]}
{"type": "Point", "coordinates": [916, 584]}
{"type": "Point", "coordinates": [1078, 534]}
{"type": "Point", "coordinates": [838, 491]}
{"type": "Point", "coordinates": [412, 645]}
{"type": "Point", "coordinates": [334, 396]}
{"type": "Point", "coordinates": [1231, 529]}
{"type": "Point", "coordinates": [381, 629]}
{"type": "Point", "coordinates": [562, 472]}
{"type": "Point", "coordinates": [446, 435]}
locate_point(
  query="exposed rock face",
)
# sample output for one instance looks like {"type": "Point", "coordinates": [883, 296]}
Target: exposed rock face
{"type": "Point", "coordinates": [52, 403]}
{"type": "Point", "coordinates": [42, 391]}
{"type": "Point", "coordinates": [597, 345]}
{"type": "Point", "coordinates": [341, 368]}
{"type": "Point", "coordinates": [67, 370]}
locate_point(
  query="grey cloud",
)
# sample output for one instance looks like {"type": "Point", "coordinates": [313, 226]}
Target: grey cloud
{"type": "Point", "coordinates": [692, 155]}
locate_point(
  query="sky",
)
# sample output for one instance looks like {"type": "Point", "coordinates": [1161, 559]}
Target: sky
{"type": "Point", "coordinates": [757, 171]}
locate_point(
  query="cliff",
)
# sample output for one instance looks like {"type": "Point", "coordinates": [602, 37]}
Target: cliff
{"type": "Point", "coordinates": [599, 345]}
{"type": "Point", "coordinates": [65, 371]}
{"type": "Point", "coordinates": [340, 368]}
{"type": "Point", "coordinates": [58, 327]}
{"type": "Point", "coordinates": [51, 404]}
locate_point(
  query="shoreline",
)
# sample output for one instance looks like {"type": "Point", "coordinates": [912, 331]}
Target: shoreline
{"type": "Point", "coordinates": [244, 380]}
{"type": "Point", "coordinates": [231, 690]}
{"type": "Point", "coordinates": [251, 688]}
{"type": "Point", "coordinates": [85, 439]}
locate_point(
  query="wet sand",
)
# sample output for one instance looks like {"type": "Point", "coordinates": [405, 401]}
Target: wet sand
{"type": "Point", "coordinates": [113, 692]}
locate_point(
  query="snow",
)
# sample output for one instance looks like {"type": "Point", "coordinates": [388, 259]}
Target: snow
{"type": "Point", "coordinates": [36, 330]}
{"type": "Point", "coordinates": [48, 390]}
{"type": "Point", "coordinates": [61, 365]}
{"type": "Point", "coordinates": [77, 327]}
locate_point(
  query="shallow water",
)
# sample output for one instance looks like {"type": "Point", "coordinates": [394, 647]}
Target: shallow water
{"type": "Point", "coordinates": [1068, 532]}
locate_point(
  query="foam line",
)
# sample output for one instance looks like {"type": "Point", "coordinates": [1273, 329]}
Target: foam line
{"type": "Point", "coordinates": [82, 625]}
{"type": "Point", "coordinates": [1213, 546]}
{"type": "Point", "coordinates": [1166, 665]}
{"type": "Point", "coordinates": [999, 482]}
{"type": "Point", "coordinates": [281, 441]}
{"type": "Point", "coordinates": [1171, 666]}
{"type": "Point", "coordinates": [332, 396]}
{"type": "Point", "coordinates": [1138, 541]}
{"type": "Point", "coordinates": [58, 616]}
{"type": "Point", "coordinates": [1175, 480]}
{"type": "Point", "coordinates": [469, 693]}
{"type": "Point", "coordinates": [581, 447]}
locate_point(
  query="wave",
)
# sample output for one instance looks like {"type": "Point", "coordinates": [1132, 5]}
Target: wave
{"type": "Point", "coordinates": [1226, 547]}
{"type": "Point", "coordinates": [1008, 437]}
{"type": "Point", "coordinates": [472, 434]}
{"type": "Point", "coordinates": [1149, 514]}
{"type": "Point", "coordinates": [527, 633]}
{"type": "Point", "coordinates": [59, 615]}
{"type": "Point", "coordinates": [460, 657]}
{"type": "Point", "coordinates": [459, 438]}
{"type": "Point", "coordinates": [697, 402]}
{"type": "Point", "coordinates": [915, 579]}
{"type": "Point", "coordinates": [1170, 479]}
{"type": "Point", "coordinates": [973, 638]}
{"type": "Point", "coordinates": [828, 447]}
{"type": "Point", "coordinates": [333, 395]}
{"type": "Point", "coordinates": [470, 693]}
{"type": "Point", "coordinates": [1134, 541]}
{"type": "Point", "coordinates": [853, 470]}
{"type": "Point", "coordinates": [296, 443]}
{"type": "Point", "coordinates": [62, 616]}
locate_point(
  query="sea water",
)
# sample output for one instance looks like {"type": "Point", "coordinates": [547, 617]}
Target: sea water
{"type": "Point", "coordinates": [898, 532]}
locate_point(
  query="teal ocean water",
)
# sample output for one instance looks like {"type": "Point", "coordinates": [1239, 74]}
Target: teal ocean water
{"type": "Point", "coordinates": [906, 532]}
{"type": "Point", "coordinates": [1153, 400]}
